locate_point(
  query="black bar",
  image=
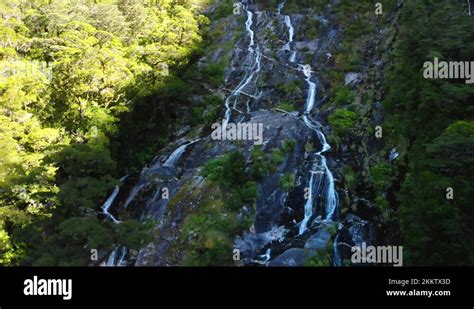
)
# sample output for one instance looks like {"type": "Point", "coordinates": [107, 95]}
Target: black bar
{"type": "Point", "coordinates": [358, 285]}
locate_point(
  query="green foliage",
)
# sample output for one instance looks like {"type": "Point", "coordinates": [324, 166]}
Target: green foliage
{"type": "Point", "coordinates": [229, 170]}
{"type": "Point", "coordinates": [213, 73]}
{"type": "Point", "coordinates": [207, 112]}
{"type": "Point", "coordinates": [134, 235]}
{"type": "Point", "coordinates": [264, 164]}
{"type": "Point", "coordinates": [83, 86]}
{"type": "Point", "coordinates": [287, 182]}
{"type": "Point", "coordinates": [321, 258]}
{"type": "Point", "coordinates": [211, 230]}
{"type": "Point", "coordinates": [350, 177]}
{"type": "Point", "coordinates": [436, 116]}
{"type": "Point", "coordinates": [290, 88]}
{"type": "Point", "coordinates": [72, 243]}
{"type": "Point", "coordinates": [224, 9]}
{"type": "Point", "coordinates": [260, 164]}
{"type": "Point", "coordinates": [343, 94]}
{"type": "Point", "coordinates": [288, 146]}
{"type": "Point", "coordinates": [286, 106]}
{"type": "Point", "coordinates": [342, 121]}
{"type": "Point", "coordinates": [311, 28]}
{"type": "Point", "coordinates": [277, 157]}
{"type": "Point", "coordinates": [382, 175]}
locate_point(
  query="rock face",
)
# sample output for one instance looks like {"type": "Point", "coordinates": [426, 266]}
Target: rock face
{"type": "Point", "coordinates": [291, 257]}
{"type": "Point", "coordinates": [319, 240]}
{"type": "Point", "coordinates": [352, 79]}
{"type": "Point", "coordinates": [261, 68]}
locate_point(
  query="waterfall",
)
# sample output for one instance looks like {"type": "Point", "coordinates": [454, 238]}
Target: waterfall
{"type": "Point", "coordinates": [264, 258]}
{"type": "Point", "coordinates": [108, 203]}
{"type": "Point", "coordinates": [171, 161]}
{"type": "Point", "coordinates": [280, 7]}
{"type": "Point", "coordinates": [112, 259]}
{"type": "Point", "coordinates": [291, 34]}
{"type": "Point", "coordinates": [110, 200]}
{"type": "Point", "coordinates": [176, 155]}
{"type": "Point", "coordinates": [248, 27]}
{"type": "Point", "coordinates": [132, 195]}
{"type": "Point", "coordinates": [469, 7]}
{"type": "Point", "coordinates": [121, 261]}
{"type": "Point", "coordinates": [321, 181]}
{"type": "Point", "coordinates": [253, 63]}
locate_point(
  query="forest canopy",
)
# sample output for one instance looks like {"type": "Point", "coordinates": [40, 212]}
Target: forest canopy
{"type": "Point", "coordinates": [69, 71]}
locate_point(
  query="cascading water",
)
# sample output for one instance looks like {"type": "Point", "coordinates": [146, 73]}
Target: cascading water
{"type": "Point", "coordinates": [321, 179]}
{"type": "Point", "coordinates": [291, 32]}
{"type": "Point", "coordinates": [121, 261]}
{"type": "Point", "coordinates": [105, 209]}
{"type": "Point", "coordinates": [110, 200]}
{"type": "Point", "coordinates": [248, 26]}
{"type": "Point", "coordinates": [112, 257]}
{"type": "Point", "coordinates": [253, 64]}
{"type": "Point", "coordinates": [132, 195]}
{"type": "Point", "coordinates": [322, 193]}
{"type": "Point", "coordinates": [280, 7]}
{"type": "Point", "coordinates": [171, 161]}
{"type": "Point", "coordinates": [108, 203]}
{"type": "Point", "coordinates": [176, 155]}
{"type": "Point", "coordinates": [321, 182]}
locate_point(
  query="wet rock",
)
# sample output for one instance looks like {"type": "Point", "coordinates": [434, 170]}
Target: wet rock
{"type": "Point", "coordinates": [159, 173]}
{"type": "Point", "coordinates": [359, 230]}
{"type": "Point", "coordinates": [365, 208]}
{"type": "Point", "coordinates": [319, 240]}
{"type": "Point", "coordinates": [145, 256]}
{"type": "Point", "coordinates": [309, 45]}
{"type": "Point", "coordinates": [378, 117]}
{"type": "Point", "coordinates": [250, 244]}
{"type": "Point", "coordinates": [278, 211]}
{"type": "Point", "coordinates": [184, 130]}
{"type": "Point", "coordinates": [291, 257]}
{"type": "Point", "coordinates": [393, 154]}
{"type": "Point", "coordinates": [352, 79]}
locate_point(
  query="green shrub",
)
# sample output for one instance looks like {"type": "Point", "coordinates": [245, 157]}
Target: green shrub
{"type": "Point", "coordinates": [260, 164]}
{"type": "Point", "coordinates": [343, 94]}
{"type": "Point", "coordinates": [225, 8]}
{"type": "Point", "coordinates": [213, 73]}
{"type": "Point", "coordinates": [287, 182]}
{"type": "Point", "coordinates": [286, 106]}
{"type": "Point", "coordinates": [322, 258]}
{"type": "Point", "coordinates": [382, 175]}
{"type": "Point", "coordinates": [349, 176]}
{"type": "Point", "coordinates": [290, 88]}
{"type": "Point", "coordinates": [207, 111]}
{"type": "Point", "coordinates": [288, 146]}
{"type": "Point", "coordinates": [342, 121]}
{"type": "Point", "coordinates": [277, 157]}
